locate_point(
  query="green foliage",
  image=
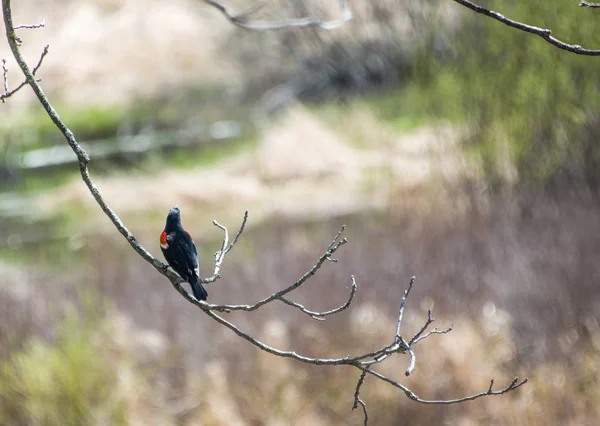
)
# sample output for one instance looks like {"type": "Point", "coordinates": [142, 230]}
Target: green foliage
{"type": "Point", "coordinates": [208, 155]}
{"type": "Point", "coordinates": [36, 130]}
{"type": "Point", "coordinates": [68, 382]}
{"type": "Point", "coordinates": [521, 97]}
{"type": "Point", "coordinates": [400, 110]}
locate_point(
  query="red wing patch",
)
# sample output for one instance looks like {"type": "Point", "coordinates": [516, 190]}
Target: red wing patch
{"type": "Point", "coordinates": [163, 240]}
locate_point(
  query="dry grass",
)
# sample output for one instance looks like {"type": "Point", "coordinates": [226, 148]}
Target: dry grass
{"type": "Point", "coordinates": [112, 51]}
{"type": "Point", "coordinates": [512, 304]}
{"type": "Point", "coordinates": [517, 279]}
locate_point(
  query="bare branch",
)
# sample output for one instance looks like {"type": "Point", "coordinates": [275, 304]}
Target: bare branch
{"type": "Point", "coordinates": [364, 407]}
{"type": "Point", "coordinates": [512, 386]}
{"type": "Point", "coordinates": [220, 255]}
{"type": "Point", "coordinates": [402, 302]}
{"type": "Point", "coordinates": [418, 337]}
{"type": "Point", "coordinates": [363, 362]}
{"type": "Point", "coordinates": [430, 320]}
{"type": "Point", "coordinates": [333, 247]}
{"type": "Point", "coordinates": [357, 399]}
{"type": "Point", "coordinates": [543, 33]}
{"type": "Point", "coordinates": [8, 93]}
{"type": "Point", "coordinates": [319, 315]}
{"type": "Point", "coordinates": [590, 5]}
{"type": "Point", "coordinates": [42, 56]}
{"type": "Point", "coordinates": [411, 362]}
{"type": "Point", "coordinates": [40, 25]}
{"type": "Point", "coordinates": [242, 21]}
{"type": "Point", "coordinates": [4, 77]}
{"type": "Point", "coordinates": [434, 331]}
{"type": "Point", "coordinates": [347, 360]}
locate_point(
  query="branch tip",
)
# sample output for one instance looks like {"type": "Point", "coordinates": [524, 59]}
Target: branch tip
{"type": "Point", "coordinates": [34, 26]}
{"type": "Point", "coordinates": [546, 34]}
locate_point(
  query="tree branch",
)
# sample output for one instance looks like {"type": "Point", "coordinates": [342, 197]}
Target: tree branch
{"type": "Point", "coordinates": [417, 337]}
{"type": "Point", "coordinates": [8, 93]}
{"type": "Point", "coordinates": [357, 399]}
{"type": "Point", "coordinates": [4, 78]}
{"type": "Point", "coordinates": [40, 25]}
{"type": "Point", "coordinates": [590, 5]}
{"type": "Point", "coordinates": [333, 247]}
{"type": "Point", "coordinates": [364, 362]}
{"type": "Point", "coordinates": [319, 315]}
{"type": "Point", "coordinates": [410, 394]}
{"type": "Point", "coordinates": [220, 255]}
{"type": "Point", "coordinates": [543, 33]}
{"type": "Point", "coordinates": [242, 21]}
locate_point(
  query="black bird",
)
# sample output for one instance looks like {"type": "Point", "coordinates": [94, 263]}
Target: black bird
{"type": "Point", "coordinates": [180, 251]}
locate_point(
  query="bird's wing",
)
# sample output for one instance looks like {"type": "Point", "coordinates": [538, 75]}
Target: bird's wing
{"type": "Point", "coordinates": [185, 255]}
{"type": "Point", "coordinates": [190, 241]}
{"type": "Point", "coordinates": [192, 259]}
{"type": "Point", "coordinates": [175, 256]}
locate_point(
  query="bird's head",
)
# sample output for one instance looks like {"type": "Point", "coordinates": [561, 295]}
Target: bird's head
{"type": "Point", "coordinates": [173, 219]}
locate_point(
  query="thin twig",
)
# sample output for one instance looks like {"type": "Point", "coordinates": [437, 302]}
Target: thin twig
{"type": "Point", "coordinates": [358, 400]}
{"type": "Point", "coordinates": [364, 407]}
{"type": "Point", "coordinates": [4, 77]}
{"type": "Point", "coordinates": [543, 33]}
{"type": "Point", "coordinates": [411, 363]}
{"type": "Point", "coordinates": [319, 316]}
{"type": "Point", "coordinates": [399, 344]}
{"type": "Point", "coordinates": [430, 320]}
{"type": "Point", "coordinates": [347, 360]}
{"type": "Point", "coordinates": [42, 56]}
{"type": "Point", "coordinates": [590, 5]}
{"type": "Point", "coordinates": [220, 255]}
{"type": "Point", "coordinates": [402, 303]}
{"type": "Point", "coordinates": [434, 331]}
{"type": "Point", "coordinates": [333, 247]}
{"type": "Point", "coordinates": [31, 27]}
{"type": "Point", "coordinates": [489, 392]}
{"type": "Point", "coordinates": [242, 21]}
{"type": "Point", "coordinates": [8, 93]}
{"type": "Point", "coordinates": [419, 336]}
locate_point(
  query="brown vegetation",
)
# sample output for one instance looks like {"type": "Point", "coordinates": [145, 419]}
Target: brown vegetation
{"type": "Point", "coordinates": [519, 300]}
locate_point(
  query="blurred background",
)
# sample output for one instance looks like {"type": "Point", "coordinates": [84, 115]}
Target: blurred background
{"type": "Point", "coordinates": [454, 148]}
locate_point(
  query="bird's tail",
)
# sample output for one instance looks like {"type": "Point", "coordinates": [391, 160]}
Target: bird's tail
{"type": "Point", "coordinates": [198, 289]}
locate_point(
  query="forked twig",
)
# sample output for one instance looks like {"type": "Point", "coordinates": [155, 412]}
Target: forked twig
{"type": "Point", "coordinates": [242, 20]}
{"type": "Point", "coordinates": [319, 316]}
{"type": "Point", "coordinates": [220, 255]}
{"type": "Point", "coordinates": [8, 93]}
